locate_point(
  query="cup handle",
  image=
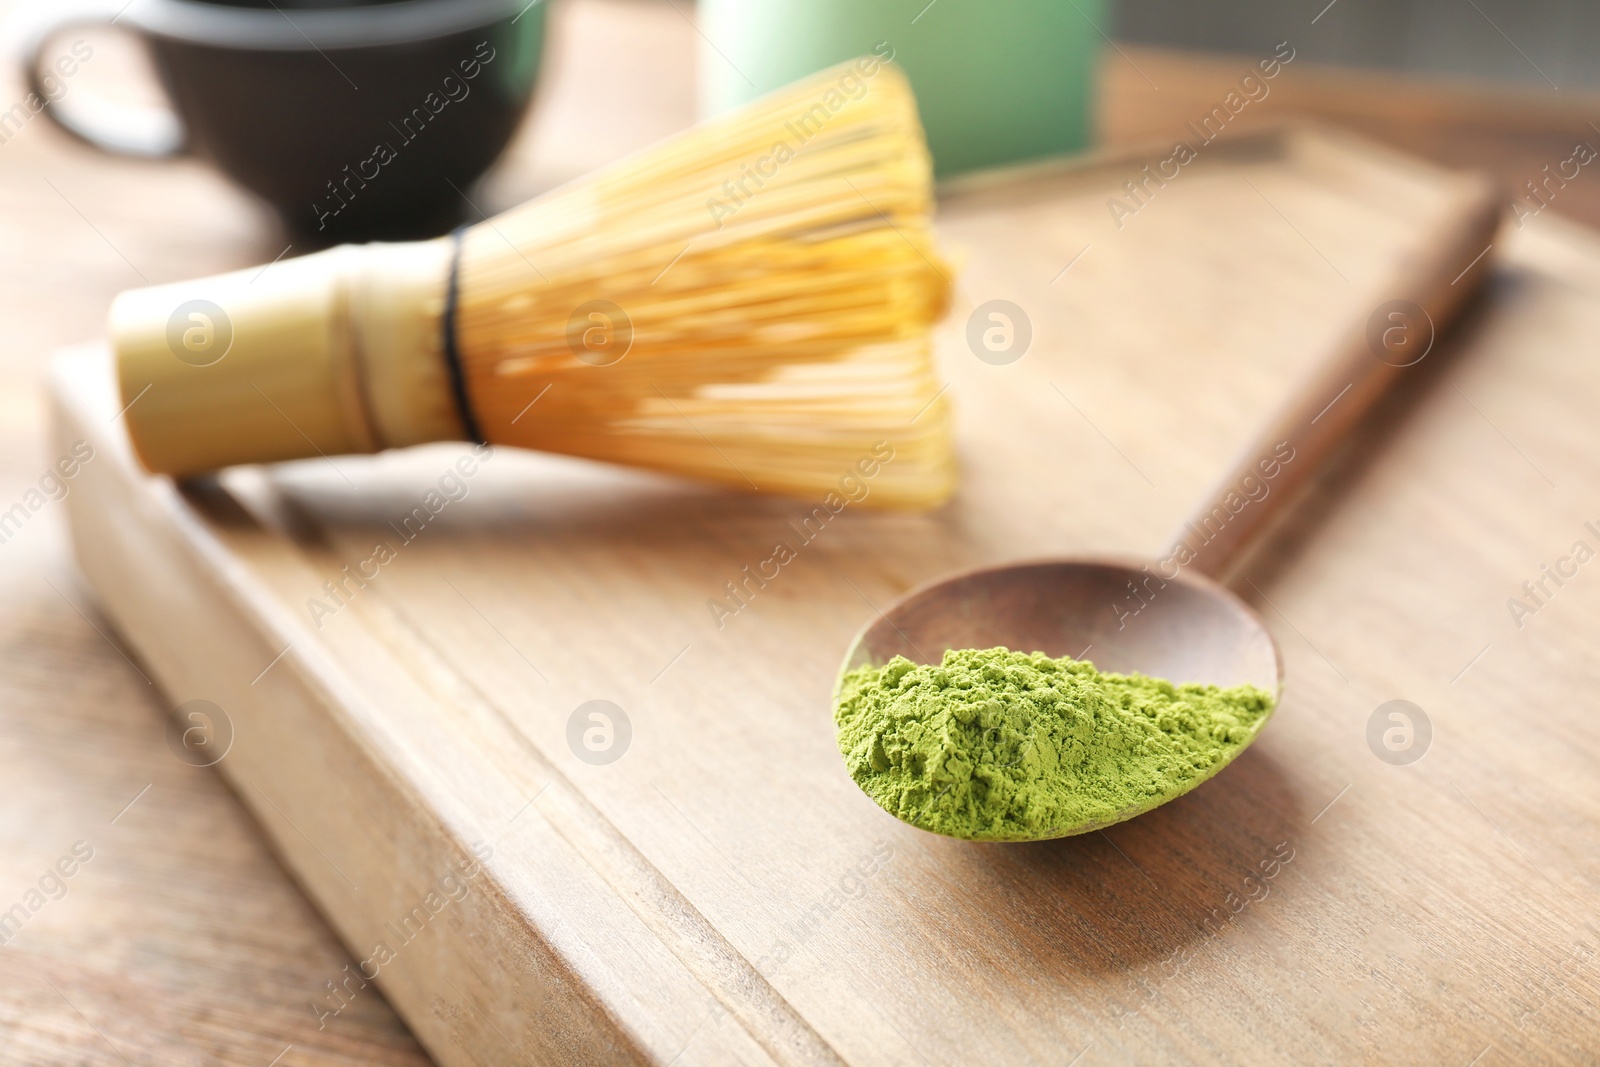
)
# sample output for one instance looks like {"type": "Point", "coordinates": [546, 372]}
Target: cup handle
{"type": "Point", "coordinates": [119, 129]}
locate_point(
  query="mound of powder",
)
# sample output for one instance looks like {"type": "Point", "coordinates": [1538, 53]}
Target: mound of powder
{"type": "Point", "coordinates": [995, 745]}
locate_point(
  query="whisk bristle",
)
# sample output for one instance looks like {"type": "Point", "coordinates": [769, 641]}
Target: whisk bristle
{"type": "Point", "coordinates": [749, 303]}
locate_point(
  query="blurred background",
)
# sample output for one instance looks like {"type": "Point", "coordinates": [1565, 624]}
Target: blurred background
{"type": "Point", "coordinates": [183, 941]}
{"type": "Point", "coordinates": [1488, 40]}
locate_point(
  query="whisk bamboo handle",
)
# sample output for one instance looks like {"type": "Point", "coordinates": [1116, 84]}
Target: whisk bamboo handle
{"type": "Point", "coordinates": [1371, 357]}
{"type": "Point", "coordinates": [328, 354]}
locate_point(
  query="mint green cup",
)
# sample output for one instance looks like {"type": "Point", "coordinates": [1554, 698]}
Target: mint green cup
{"type": "Point", "coordinates": [997, 81]}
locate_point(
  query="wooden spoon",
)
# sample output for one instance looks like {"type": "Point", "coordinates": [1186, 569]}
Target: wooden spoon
{"type": "Point", "coordinates": [1172, 618]}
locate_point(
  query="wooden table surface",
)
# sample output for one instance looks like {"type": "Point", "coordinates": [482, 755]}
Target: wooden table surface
{"type": "Point", "coordinates": [181, 940]}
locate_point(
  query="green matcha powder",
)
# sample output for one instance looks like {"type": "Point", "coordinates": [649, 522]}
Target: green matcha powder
{"type": "Point", "coordinates": [995, 745]}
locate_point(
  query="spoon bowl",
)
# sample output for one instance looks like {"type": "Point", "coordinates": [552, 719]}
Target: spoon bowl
{"type": "Point", "coordinates": [1119, 615]}
{"type": "Point", "coordinates": [1185, 629]}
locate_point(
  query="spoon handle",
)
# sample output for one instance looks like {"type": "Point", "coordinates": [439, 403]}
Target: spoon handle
{"type": "Point", "coordinates": [1420, 299]}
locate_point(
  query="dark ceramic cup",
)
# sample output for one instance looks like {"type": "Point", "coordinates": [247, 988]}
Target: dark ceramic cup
{"type": "Point", "coordinates": [355, 120]}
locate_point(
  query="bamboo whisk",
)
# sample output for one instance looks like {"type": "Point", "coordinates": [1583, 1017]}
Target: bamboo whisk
{"type": "Point", "coordinates": [749, 303]}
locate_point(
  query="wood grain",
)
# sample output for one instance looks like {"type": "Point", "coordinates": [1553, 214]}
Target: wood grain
{"type": "Point", "coordinates": [1514, 133]}
{"type": "Point", "coordinates": [1427, 928]}
{"type": "Point", "coordinates": [721, 892]}
{"type": "Point", "coordinates": [1420, 301]}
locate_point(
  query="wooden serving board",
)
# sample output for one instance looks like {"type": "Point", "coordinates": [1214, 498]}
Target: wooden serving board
{"type": "Point", "coordinates": [720, 892]}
